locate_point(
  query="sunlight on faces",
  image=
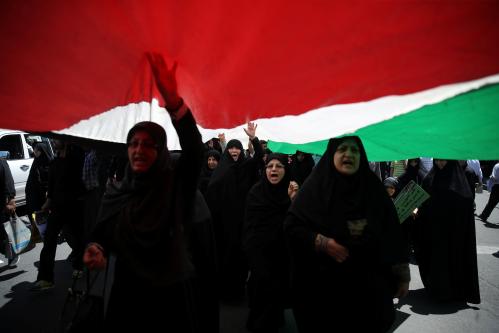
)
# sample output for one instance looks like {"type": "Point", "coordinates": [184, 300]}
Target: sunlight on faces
{"type": "Point", "coordinates": [234, 153]}
{"type": "Point", "coordinates": [274, 171]}
{"type": "Point", "coordinates": [440, 163]}
{"type": "Point", "coordinates": [347, 157]}
{"type": "Point", "coordinates": [212, 163]}
{"type": "Point", "coordinates": [142, 152]}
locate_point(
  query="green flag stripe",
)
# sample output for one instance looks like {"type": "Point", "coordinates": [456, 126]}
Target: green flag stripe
{"type": "Point", "coordinates": [462, 127]}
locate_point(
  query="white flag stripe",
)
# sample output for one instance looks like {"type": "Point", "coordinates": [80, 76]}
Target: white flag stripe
{"type": "Point", "coordinates": [314, 125]}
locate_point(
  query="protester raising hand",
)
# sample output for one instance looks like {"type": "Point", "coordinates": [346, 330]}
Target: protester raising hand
{"type": "Point", "coordinates": [251, 130]}
{"type": "Point", "coordinates": [226, 198]}
{"type": "Point", "coordinates": [147, 222]}
{"type": "Point", "coordinates": [166, 80]}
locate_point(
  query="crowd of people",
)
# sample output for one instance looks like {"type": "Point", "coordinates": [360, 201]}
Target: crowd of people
{"type": "Point", "coordinates": [219, 223]}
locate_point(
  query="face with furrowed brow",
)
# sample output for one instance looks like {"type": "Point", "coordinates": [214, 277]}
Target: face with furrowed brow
{"type": "Point", "coordinates": [142, 152]}
{"type": "Point", "coordinates": [274, 171]}
{"type": "Point", "coordinates": [347, 157]}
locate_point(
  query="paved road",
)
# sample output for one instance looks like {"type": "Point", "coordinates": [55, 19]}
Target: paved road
{"type": "Point", "coordinates": [24, 311]}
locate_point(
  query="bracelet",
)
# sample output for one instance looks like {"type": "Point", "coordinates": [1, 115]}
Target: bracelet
{"type": "Point", "coordinates": [321, 243]}
{"type": "Point", "coordinates": [324, 241]}
{"type": "Point", "coordinates": [179, 113]}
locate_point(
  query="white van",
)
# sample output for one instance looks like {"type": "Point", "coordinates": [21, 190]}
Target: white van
{"type": "Point", "coordinates": [15, 147]}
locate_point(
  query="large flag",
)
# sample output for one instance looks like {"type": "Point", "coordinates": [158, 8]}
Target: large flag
{"type": "Point", "coordinates": [412, 78]}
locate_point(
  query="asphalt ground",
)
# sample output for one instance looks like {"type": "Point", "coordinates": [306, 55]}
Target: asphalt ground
{"type": "Point", "coordinates": [24, 311]}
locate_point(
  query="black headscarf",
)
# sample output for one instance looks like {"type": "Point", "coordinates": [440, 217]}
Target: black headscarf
{"type": "Point", "coordinates": [148, 231]}
{"type": "Point", "coordinates": [301, 170]}
{"type": "Point", "coordinates": [450, 177]}
{"type": "Point", "coordinates": [206, 172]}
{"type": "Point", "coordinates": [234, 143]}
{"type": "Point", "coordinates": [44, 159]}
{"type": "Point", "coordinates": [411, 173]}
{"type": "Point", "coordinates": [37, 182]}
{"type": "Point", "coordinates": [266, 207]}
{"type": "Point", "coordinates": [326, 188]}
{"type": "Point", "coordinates": [329, 199]}
{"type": "Point", "coordinates": [267, 196]}
{"type": "Point", "coordinates": [133, 184]}
{"type": "Point", "coordinates": [278, 193]}
{"type": "Point", "coordinates": [226, 162]}
{"type": "Point", "coordinates": [45, 156]}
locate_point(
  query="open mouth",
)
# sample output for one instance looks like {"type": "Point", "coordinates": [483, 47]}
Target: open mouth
{"type": "Point", "coordinates": [348, 162]}
{"type": "Point", "coordinates": [139, 160]}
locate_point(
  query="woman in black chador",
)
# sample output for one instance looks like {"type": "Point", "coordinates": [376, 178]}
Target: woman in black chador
{"type": "Point", "coordinates": [146, 221]}
{"type": "Point", "coordinates": [211, 159]}
{"type": "Point", "coordinates": [301, 166]}
{"type": "Point", "coordinates": [445, 241]}
{"type": "Point", "coordinates": [37, 183]}
{"type": "Point", "coordinates": [412, 172]}
{"type": "Point", "coordinates": [226, 198]}
{"type": "Point", "coordinates": [349, 257]}
{"type": "Point", "coordinates": [268, 258]}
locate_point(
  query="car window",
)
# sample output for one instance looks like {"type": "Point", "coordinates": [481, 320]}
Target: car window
{"type": "Point", "coordinates": [13, 146]}
{"type": "Point", "coordinates": [33, 139]}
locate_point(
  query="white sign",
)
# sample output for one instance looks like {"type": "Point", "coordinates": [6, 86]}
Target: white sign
{"type": "Point", "coordinates": [410, 198]}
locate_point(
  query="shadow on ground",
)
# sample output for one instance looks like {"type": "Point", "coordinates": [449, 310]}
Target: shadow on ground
{"type": "Point", "coordinates": [421, 304]}
{"type": "Point", "coordinates": [40, 310]}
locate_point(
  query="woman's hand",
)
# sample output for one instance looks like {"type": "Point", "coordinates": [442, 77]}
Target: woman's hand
{"type": "Point", "coordinates": [292, 189]}
{"type": "Point", "coordinates": [165, 80]}
{"type": "Point", "coordinates": [94, 258]}
{"type": "Point", "coordinates": [251, 130]}
{"type": "Point", "coordinates": [402, 290]}
{"type": "Point", "coordinates": [402, 274]}
{"type": "Point", "coordinates": [221, 137]}
{"type": "Point", "coordinates": [10, 207]}
{"type": "Point", "coordinates": [331, 248]}
{"type": "Point", "coordinates": [336, 250]}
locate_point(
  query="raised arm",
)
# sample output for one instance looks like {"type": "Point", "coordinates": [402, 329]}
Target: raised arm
{"type": "Point", "coordinates": [190, 162]}
{"type": "Point", "coordinates": [250, 130]}
{"type": "Point", "coordinates": [223, 142]}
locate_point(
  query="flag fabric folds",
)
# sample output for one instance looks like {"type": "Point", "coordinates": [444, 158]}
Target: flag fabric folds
{"type": "Point", "coordinates": [305, 71]}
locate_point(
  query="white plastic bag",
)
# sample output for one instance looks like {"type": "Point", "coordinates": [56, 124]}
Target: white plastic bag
{"type": "Point", "coordinates": [19, 235]}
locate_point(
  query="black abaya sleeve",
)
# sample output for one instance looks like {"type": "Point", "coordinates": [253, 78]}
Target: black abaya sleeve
{"type": "Point", "coordinates": [190, 162]}
{"type": "Point", "coordinates": [299, 235]}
